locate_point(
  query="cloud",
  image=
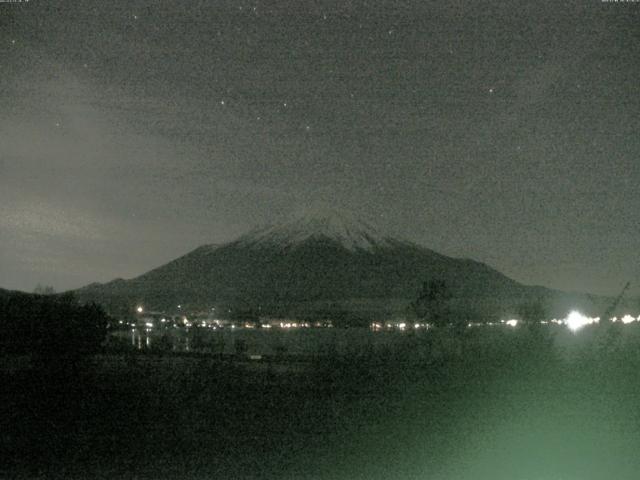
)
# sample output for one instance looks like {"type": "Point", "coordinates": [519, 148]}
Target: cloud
{"type": "Point", "coordinates": [36, 218]}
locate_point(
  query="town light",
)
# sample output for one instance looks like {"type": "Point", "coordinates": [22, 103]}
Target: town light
{"type": "Point", "coordinates": [139, 309]}
{"type": "Point", "coordinates": [627, 319]}
{"type": "Point", "coordinates": [575, 321]}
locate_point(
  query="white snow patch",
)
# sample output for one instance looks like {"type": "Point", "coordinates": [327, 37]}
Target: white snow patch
{"type": "Point", "coordinates": [351, 233]}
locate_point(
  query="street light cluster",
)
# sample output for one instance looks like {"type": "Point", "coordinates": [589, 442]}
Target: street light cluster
{"type": "Point", "coordinates": [574, 321]}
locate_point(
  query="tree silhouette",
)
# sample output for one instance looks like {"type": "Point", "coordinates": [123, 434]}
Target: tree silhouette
{"type": "Point", "coordinates": [50, 326]}
{"type": "Point", "coordinates": [532, 312]}
{"type": "Point", "coordinates": [432, 304]}
{"type": "Point", "coordinates": [44, 290]}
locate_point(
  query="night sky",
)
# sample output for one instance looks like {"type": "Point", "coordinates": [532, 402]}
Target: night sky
{"type": "Point", "coordinates": [132, 132]}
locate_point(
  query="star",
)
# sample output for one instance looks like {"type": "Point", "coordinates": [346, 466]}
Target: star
{"type": "Point", "coordinates": [284, 104]}
{"type": "Point", "coordinates": [222, 102]}
{"type": "Point", "coordinates": [57, 124]}
{"type": "Point", "coordinates": [135, 17]}
{"type": "Point", "coordinates": [13, 42]}
{"type": "Point", "coordinates": [491, 90]}
{"type": "Point", "coordinates": [307, 128]}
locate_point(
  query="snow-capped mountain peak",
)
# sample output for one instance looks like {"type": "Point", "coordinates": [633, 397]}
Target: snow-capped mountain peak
{"type": "Point", "coordinates": [350, 232]}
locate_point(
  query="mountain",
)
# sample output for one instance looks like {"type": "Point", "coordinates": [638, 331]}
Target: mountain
{"type": "Point", "coordinates": [337, 227]}
{"type": "Point", "coordinates": [6, 294]}
{"type": "Point", "coordinates": [323, 265]}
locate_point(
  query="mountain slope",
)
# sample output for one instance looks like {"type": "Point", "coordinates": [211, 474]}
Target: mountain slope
{"type": "Point", "coordinates": [320, 264]}
{"type": "Point", "coordinates": [352, 233]}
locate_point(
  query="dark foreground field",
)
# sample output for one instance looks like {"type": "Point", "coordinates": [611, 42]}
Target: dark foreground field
{"type": "Point", "coordinates": [499, 404]}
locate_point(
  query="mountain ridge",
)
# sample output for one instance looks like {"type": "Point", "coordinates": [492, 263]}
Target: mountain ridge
{"type": "Point", "coordinates": [318, 266]}
{"type": "Point", "coordinates": [350, 232]}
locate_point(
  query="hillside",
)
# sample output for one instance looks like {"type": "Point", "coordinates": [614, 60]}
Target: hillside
{"type": "Point", "coordinates": [321, 266]}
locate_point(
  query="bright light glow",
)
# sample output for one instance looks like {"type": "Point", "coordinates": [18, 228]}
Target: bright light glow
{"type": "Point", "coordinates": [512, 323]}
{"type": "Point", "coordinates": [149, 325]}
{"type": "Point", "coordinates": [140, 309]}
{"type": "Point", "coordinates": [627, 319]}
{"type": "Point", "coordinates": [402, 326]}
{"type": "Point", "coordinates": [575, 320]}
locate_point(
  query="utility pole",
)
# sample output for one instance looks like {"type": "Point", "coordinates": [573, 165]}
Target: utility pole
{"type": "Point", "coordinates": [607, 314]}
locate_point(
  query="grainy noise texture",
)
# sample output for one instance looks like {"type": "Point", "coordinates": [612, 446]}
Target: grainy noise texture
{"type": "Point", "coordinates": [132, 132]}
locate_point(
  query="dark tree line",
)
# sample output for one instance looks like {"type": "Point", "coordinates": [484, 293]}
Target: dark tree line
{"type": "Point", "coordinates": [50, 325]}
